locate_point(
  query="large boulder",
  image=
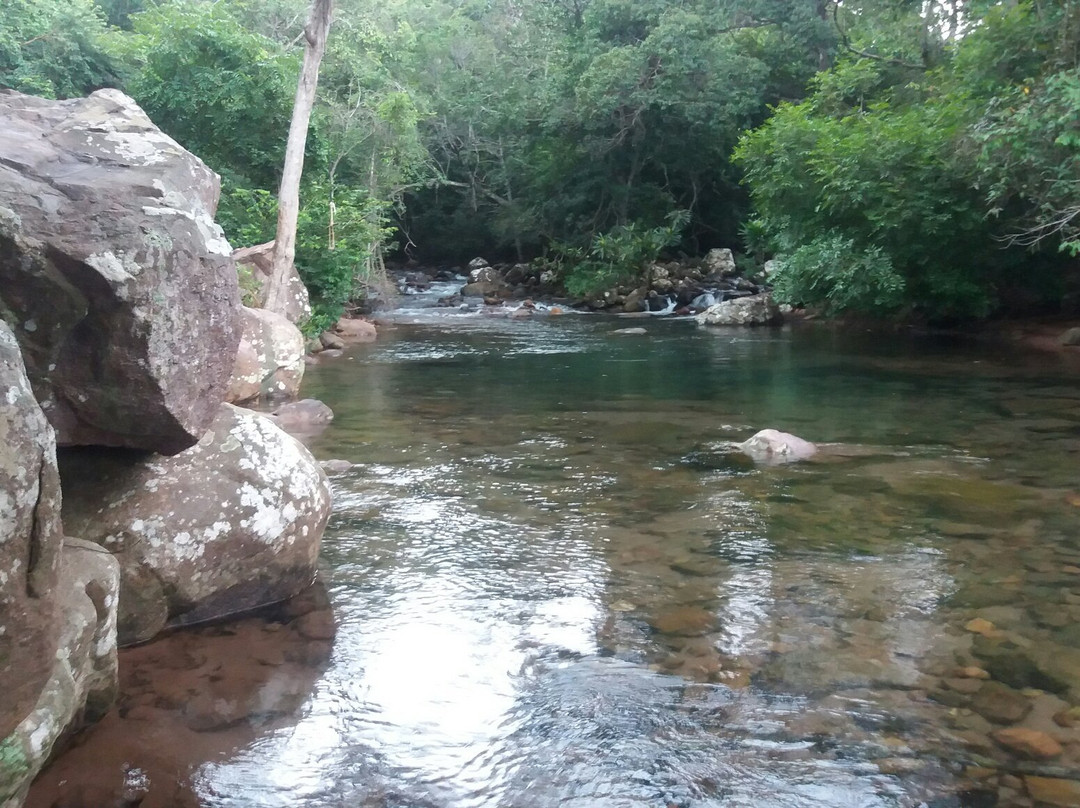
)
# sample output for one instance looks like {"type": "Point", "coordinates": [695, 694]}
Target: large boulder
{"type": "Point", "coordinates": [269, 360]}
{"type": "Point", "coordinates": [231, 524]}
{"type": "Point", "coordinates": [753, 310]}
{"type": "Point", "coordinates": [82, 682]}
{"type": "Point", "coordinates": [118, 285]}
{"type": "Point", "coordinates": [30, 541]}
{"type": "Point", "coordinates": [254, 266]}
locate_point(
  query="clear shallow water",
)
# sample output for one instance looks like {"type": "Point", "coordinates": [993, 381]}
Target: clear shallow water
{"type": "Point", "coordinates": [552, 586]}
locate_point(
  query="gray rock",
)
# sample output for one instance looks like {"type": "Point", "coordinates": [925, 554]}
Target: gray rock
{"type": "Point", "coordinates": [269, 362]}
{"type": "Point", "coordinates": [330, 340]}
{"type": "Point", "coordinates": [30, 541]}
{"type": "Point", "coordinates": [773, 447]}
{"type": "Point", "coordinates": [231, 524]}
{"type": "Point", "coordinates": [720, 261]}
{"type": "Point", "coordinates": [1071, 337]}
{"type": "Point", "coordinates": [82, 684]}
{"type": "Point", "coordinates": [118, 285]}
{"type": "Point", "coordinates": [485, 289]}
{"type": "Point", "coordinates": [751, 310]}
{"type": "Point", "coordinates": [303, 415]}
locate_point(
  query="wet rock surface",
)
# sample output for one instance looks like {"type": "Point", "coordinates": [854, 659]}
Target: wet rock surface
{"type": "Point", "coordinates": [191, 695]}
{"type": "Point", "coordinates": [228, 525]}
{"type": "Point", "coordinates": [117, 283]}
{"type": "Point", "coordinates": [82, 681]}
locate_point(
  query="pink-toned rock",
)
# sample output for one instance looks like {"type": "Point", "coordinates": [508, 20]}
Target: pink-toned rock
{"type": "Point", "coordinates": [1028, 743]}
{"type": "Point", "coordinates": [355, 330]}
{"type": "Point", "coordinates": [231, 524]}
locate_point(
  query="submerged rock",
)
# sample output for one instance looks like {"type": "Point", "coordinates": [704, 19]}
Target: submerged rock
{"type": "Point", "coordinates": [751, 310]}
{"type": "Point", "coordinates": [773, 447]}
{"type": "Point", "coordinates": [231, 524]}
{"type": "Point", "coordinates": [118, 285]}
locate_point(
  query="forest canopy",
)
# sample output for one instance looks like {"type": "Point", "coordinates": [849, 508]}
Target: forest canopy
{"type": "Point", "coordinates": [894, 157]}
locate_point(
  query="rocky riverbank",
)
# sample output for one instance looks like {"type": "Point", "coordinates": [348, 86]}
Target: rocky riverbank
{"type": "Point", "coordinates": [712, 286]}
{"type": "Point", "coordinates": [121, 338]}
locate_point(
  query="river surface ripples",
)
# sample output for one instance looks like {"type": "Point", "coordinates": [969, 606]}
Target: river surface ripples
{"type": "Point", "coordinates": [552, 584]}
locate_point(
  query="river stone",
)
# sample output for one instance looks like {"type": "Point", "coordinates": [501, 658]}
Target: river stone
{"type": "Point", "coordinates": [118, 285]}
{"type": "Point", "coordinates": [231, 524]}
{"type": "Point", "coordinates": [772, 447]}
{"type": "Point", "coordinates": [82, 682]}
{"type": "Point", "coordinates": [257, 263]}
{"type": "Point", "coordinates": [1028, 743]}
{"type": "Point", "coordinates": [1053, 791]}
{"type": "Point", "coordinates": [351, 329]}
{"type": "Point", "coordinates": [1000, 704]}
{"type": "Point", "coordinates": [751, 310]}
{"type": "Point", "coordinates": [30, 540]}
{"type": "Point", "coordinates": [303, 415]}
{"type": "Point", "coordinates": [270, 358]}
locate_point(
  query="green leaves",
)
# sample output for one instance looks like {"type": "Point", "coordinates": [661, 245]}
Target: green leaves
{"type": "Point", "coordinates": [893, 187]}
{"type": "Point", "coordinates": [55, 48]}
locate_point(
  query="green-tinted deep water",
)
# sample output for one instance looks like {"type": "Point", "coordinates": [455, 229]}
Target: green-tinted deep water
{"type": "Point", "coordinates": [554, 586]}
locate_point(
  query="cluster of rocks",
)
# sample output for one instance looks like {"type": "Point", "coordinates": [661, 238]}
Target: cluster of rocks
{"type": "Point", "coordinates": [712, 284]}
{"type": "Point", "coordinates": [121, 338]}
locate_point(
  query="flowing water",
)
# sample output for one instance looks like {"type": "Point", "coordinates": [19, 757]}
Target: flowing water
{"type": "Point", "coordinates": [554, 585]}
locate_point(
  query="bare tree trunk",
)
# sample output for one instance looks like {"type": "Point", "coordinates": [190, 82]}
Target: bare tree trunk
{"type": "Point", "coordinates": [315, 34]}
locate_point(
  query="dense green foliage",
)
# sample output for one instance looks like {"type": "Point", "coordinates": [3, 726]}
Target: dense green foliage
{"type": "Point", "coordinates": [897, 184]}
{"type": "Point", "coordinates": [895, 156]}
{"type": "Point", "coordinates": [54, 48]}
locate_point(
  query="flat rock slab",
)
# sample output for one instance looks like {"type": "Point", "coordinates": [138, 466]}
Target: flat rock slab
{"type": "Point", "coordinates": [118, 285]}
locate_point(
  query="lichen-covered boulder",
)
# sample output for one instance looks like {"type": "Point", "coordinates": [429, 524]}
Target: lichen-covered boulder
{"type": "Point", "coordinates": [719, 262]}
{"type": "Point", "coordinates": [772, 447]}
{"type": "Point", "coordinates": [82, 682]}
{"type": "Point", "coordinates": [30, 540]}
{"type": "Point", "coordinates": [228, 525]}
{"type": "Point", "coordinates": [118, 285]}
{"type": "Point", "coordinates": [752, 310]}
{"type": "Point", "coordinates": [269, 360]}
{"type": "Point", "coordinates": [255, 265]}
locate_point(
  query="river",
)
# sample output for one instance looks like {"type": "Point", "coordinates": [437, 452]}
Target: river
{"type": "Point", "coordinates": [553, 585]}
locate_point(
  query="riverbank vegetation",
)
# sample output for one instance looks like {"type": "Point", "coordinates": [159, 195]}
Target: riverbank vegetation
{"type": "Point", "coordinates": [895, 157]}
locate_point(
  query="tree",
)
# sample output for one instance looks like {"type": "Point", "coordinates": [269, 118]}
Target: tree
{"type": "Point", "coordinates": [315, 34]}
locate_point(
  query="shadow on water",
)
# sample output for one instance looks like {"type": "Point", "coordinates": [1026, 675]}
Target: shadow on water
{"type": "Point", "coordinates": [553, 586]}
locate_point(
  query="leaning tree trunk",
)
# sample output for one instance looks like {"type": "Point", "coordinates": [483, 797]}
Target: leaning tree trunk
{"type": "Point", "coordinates": [315, 34]}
